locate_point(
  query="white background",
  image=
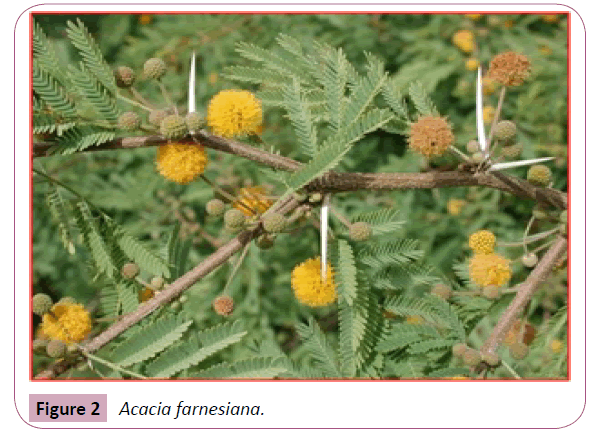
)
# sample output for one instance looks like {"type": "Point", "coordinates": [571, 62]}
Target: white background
{"type": "Point", "coordinates": [365, 404]}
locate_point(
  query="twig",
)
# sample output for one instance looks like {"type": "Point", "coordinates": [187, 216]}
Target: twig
{"type": "Point", "coordinates": [510, 370]}
{"type": "Point", "coordinates": [236, 268]}
{"type": "Point", "coordinates": [524, 293]}
{"type": "Point", "coordinates": [496, 116]}
{"type": "Point", "coordinates": [111, 365]}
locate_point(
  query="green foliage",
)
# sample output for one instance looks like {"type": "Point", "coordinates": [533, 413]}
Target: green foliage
{"type": "Point", "coordinates": [338, 93]}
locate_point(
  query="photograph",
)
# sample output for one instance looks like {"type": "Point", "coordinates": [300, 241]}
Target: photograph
{"type": "Point", "coordinates": [299, 196]}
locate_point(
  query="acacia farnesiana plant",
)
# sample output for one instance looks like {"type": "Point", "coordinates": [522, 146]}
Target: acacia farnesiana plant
{"type": "Point", "coordinates": [330, 106]}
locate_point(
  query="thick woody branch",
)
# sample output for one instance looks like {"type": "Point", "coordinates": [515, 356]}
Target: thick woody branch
{"type": "Point", "coordinates": [337, 182]}
{"type": "Point", "coordinates": [524, 293]}
{"type": "Point", "coordinates": [172, 291]}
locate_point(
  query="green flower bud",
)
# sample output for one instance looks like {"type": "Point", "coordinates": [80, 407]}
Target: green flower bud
{"type": "Point", "coordinates": [539, 175]}
{"type": "Point", "coordinates": [473, 146]}
{"type": "Point", "coordinates": [530, 260]}
{"type": "Point", "coordinates": [491, 358]}
{"type": "Point", "coordinates": [504, 130]}
{"type": "Point", "coordinates": [518, 351]}
{"type": "Point", "coordinates": [360, 231]}
{"type": "Point", "coordinates": [215, 207]}
{"type": "Point", "coordinates": [154, 68]}
{"type": "Point", "coordinates": [265, 241]}
{"type": "Point", "coordinates": [471, 357]}
{"type": "Point", "coordinates": [157, 116]}
{"type": "Point", "coordinates": [234, 218]}
{"type": "Point", "coordinates": [274, 222]}
{"type": "Point", "coordinates": [129, 121]}
{"type": "Point", "coordinates": [173, 127]}
{"type": "Point", "coordinates": [459, 349]}
{"type": "Point", "coordinates": [157, 282]}
{"type": "Point", "coordinates": [42, 303]}
{"type": "Point", "coordinates": [130, 270]}
{"type": "Point", "coordinates": [55, 348]}
{"type": "Point", "coordinates": [194, 122]}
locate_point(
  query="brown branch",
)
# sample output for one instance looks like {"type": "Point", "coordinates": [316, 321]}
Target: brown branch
{"type": "Point", "coordinates": [524, 293]}
{"type": "Point", "coordinates": [337, 182]}
{"type": "Point", "coordinates": [172, 291]}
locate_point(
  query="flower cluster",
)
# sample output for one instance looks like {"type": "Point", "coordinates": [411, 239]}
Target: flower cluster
{"type": "Point", "coordinates": [309, 286]}
{"type": "Point", "coordinates": [430, 136]}
{"type": "Point", "coordinates": [69, 323]}
{"type": "Point", "coordinates": [233, 113]}
{"type": "Point", "coordinates": [482, 242]}
{"type": "Point", "coordinates": [489, 269]}
{"type": "Point", "coordinates": [509, 68]}
{"type": "Point", "coordinates": [464, 40]}
{"type": "Point", "coordinates": [181, 162]}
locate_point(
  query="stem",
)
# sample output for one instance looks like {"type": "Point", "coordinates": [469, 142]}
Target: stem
{"type": "Point", "coordinates": [132, 102]}
{"type": "Point", "coordinates": [510, 370]}
{"type": "Point", "coordinates": [226, 195]}
{"type": "Point", "coordinates": [236, 268]}
{"type": "Point", "coordinates": [141, 99]}
{"type": "Point", "coordinates": [111, 365]}
{"type": "Point", "coordinates": [340, 217]}
{"type": "Point", "coordinates": [531, 239]}
{"type": "Point", "coordinates": [166, 96]}
{"type": "Point", "coordinates": [496, 116]}
{"type": "Point", "coordinates": [524, 240]}
{"type": "Point", "coordinates": [460, 153]}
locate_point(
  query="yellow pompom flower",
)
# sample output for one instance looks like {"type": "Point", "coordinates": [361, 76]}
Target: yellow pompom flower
{"type": "Point", "coordinates": [489, 269]}
{"type": "Point", "coordinates": [181, 162]}
{"type": "Point", "coordinates": [234, 112]}
{"type": "Point", "coordinates": [472, 64]}
{"type": "Point", "coordinates": [474, 17]}
{"type": "Point", "coordinates": [550, 18]}
{"type": "Point", "coordinates": [556, 346]}
{"type": "Point", "coordinates": [252, 200]}
{"type": "Point", "coordinates": [488, 114]}
{"type": "Point", "coordinates": [488, 86]}
{"type": "Point", "coordinates": [69, 323]}
{"type": "Point", "coordinates": [309, 287]}
{"type": "Point", "coordinates": [455, 206]}
{"type": "Point", "coordinates": [482, 242]}
{"type": "Point", "coordinates": [464, 40]}
{"type": "Point", "coordinates": [430, 136]}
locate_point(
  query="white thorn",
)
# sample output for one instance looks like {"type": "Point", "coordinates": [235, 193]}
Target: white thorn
{"type": "Point", "coordinates": [192, 85]}
{"type": "Point", "coordinates": [480, 125]}
{"type": "Point", "coordinates": [324, 233]}
{"type": "Point", "coordinates": [513, 164]}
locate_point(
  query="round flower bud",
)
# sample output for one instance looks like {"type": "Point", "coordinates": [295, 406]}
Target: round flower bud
{"type": "Point", "coordinates": [471, 64]}
{"type": "Point", "coordinates": [183, 299]}
{"type": "Point", "coordinates": [71, 348]}
{"type": "Point", "coordinates": [491, 358]}
{"type": "Point", "coordinates": [530, 260]}
{"type": "Point", "coordinates": [471, 357]}
{"type": "Point", "coordinates": [315, 197]}
{"type": "Point", "coordinates": [473, 146]}
{"type": "Point", "coordinates": [265, 241]}
{"type": "Point", "coordinates": [491, 292]}
{"type": "Point", "coordinates": [274, 222]}
{"type": "Point", "coordinates": [130, 270]}
{"type": "Point", "coordinates": [39, 345]}
{"type": "Point", "coordinates": [512, 152]}
{"type": "Point", "coordinates": [441, 290]}
{"type": "Point", "coordinates": [173, 127]}
{"type": "Point", "coordinates": [55, 348]}
{"type": "Point", "coordinates": [194, 122]}
{"type": "Point", "coordinates": [539, 213]}
{"type": "Point", "coordinates": [42, 303]}
{"type": "Point", "coordinates": [175, 305]}
{"type": "Point", "coordinates": [215, 207]}
{"type": "Point", "coordinates": [482, 242]}
{"type": "Point", "coordinates": [234, 218]}
{"type": "Point", "coordinates": [156, 117]}
{"type": "Point", "coordinates": [157, 282]}
{"type": "Point", "coordinates": [459, 349]}
{"type": "Point", "coordinates": [518, 351]}
{"type": "Point", "coordinates": [505, 130]}
{"type": "Point", "coordinates": [360, 231]}
{"type": "Point", "coordinates": [124, 77]}
{"type": "Point", "coordinates": [223, 305]}
{"type": "Point", "coordinates": [129, 121]}
{"type": "Point", "coordinates": [539, 175]}
{"type": "Point", "coordinates": [477, 157]}
{"type": "Point", "coordinates": [154, 68]}
{"type": "Point", "coordinates": [563, 216]}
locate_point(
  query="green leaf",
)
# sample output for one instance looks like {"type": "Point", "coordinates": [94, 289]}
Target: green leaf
{"type": "Point", "coordinates": [253, 368]}
{"type": "Point", "coordinates": [315, 343]}
{"type": "Point", "coordinates": [421, 100]}
{"type": "Point", "coordinates": [51, 92]}
{"type": "Point", "coordinates": [150, 341]}
{"type": "Point", "coordinates": [300, 117]}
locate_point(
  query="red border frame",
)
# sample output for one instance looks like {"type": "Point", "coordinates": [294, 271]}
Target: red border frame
{"type": "Point", "coordinates": [568, 16]}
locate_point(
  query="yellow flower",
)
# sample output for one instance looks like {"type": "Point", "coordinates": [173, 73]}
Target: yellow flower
{"type": "Point", "coordinates": [474, 17]}
{"type": "Point", "coordinates": [550, 18]}
{"type": "Point", "coordinates": [556, 346]}
{"type": "Point", "coordinates": [69, 323]}
{"type": "Point", "coordinates": [464, 40]}
{"type": "Point", "coordinates": [472, 64]}
{"type": "Point", "coordinates": [488, 114]}
{"type": "Point", "coordinates": [509, 68]}
{"type": "Point", "coordinates": [145, 19]}
{"type": "Point", "coordinates": [181, 162]}
{"type": "Point", "coordinates": [489, 269]}
{"type": "Point", "coordinates": [545, 50]}
{"type": "Point", "coordinates": [488, 86]}
{"type": "Point", "coordinates": [482, 242]}
{"type": "Point", "coordinates": [309, 287]}
{"type": "Point", "coordinates": [234, 112]}
{"type": "Point", "coordinates": [455, 206]}
{"type": "Point", "coordinates": [253, 199]}
{"type": "Point", "coordinates": [430, 136]}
